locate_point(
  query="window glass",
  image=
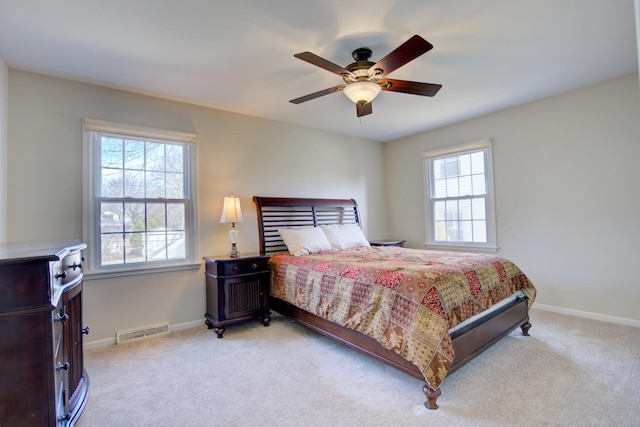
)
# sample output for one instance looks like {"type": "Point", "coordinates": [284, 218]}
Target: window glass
{"type": "Point", "coordinates": [142, 206]}
{"type": "Point", "coordinates": [460, 203]}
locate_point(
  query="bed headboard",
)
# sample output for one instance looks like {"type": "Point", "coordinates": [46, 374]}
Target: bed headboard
{"type": "Point", "coordinates": [287, 212]}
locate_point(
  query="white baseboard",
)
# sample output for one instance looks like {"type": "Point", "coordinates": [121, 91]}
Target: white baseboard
{"type": "Point", "coordinates": [589, 315]}
{"type": "Point", "coordinates": [87, 345]}
{"type": "Point", "coordinates": [187, 325]}
{"type": "Point", "coordinates": [568, 311]}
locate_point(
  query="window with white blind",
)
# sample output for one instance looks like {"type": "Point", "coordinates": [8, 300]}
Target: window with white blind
{"type": "Point", "coordinates": [139, 198]}
{"type": "Point", "coordinates": [460, 206]}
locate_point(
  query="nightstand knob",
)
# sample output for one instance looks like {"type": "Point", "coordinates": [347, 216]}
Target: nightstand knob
{"type": "Point", "coordinates": [254, 266]}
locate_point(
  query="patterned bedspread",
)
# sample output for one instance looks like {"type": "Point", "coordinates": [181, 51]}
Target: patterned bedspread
{"type": "Point", "coordinates": [406, 299]}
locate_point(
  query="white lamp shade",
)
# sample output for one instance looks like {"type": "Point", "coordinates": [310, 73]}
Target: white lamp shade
{"type": "Point", "coordinates": [231, 211]}
{"type": "Point", "coordinates": [362, 92]}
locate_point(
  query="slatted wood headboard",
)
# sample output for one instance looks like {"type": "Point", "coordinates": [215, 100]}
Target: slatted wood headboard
{"type": "Point", "coordinates": [286, 212]}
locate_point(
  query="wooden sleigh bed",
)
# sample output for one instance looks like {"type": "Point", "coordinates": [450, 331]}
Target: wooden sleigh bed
{"type": "Point", "coordinates": [468, 341]}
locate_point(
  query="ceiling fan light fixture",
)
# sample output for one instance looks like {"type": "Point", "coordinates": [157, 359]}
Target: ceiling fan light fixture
{"type": "Point", "coordinates": [362, 92]}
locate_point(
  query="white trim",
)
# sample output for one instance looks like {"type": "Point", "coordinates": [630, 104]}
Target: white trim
{"type": "Point", "coordinates": [126, 272]}
{"type": "Point", "coordinates": [589, 315]}
{"type": "Point", "coordinates": [460, 247]}
{"type": "Point", "coordinates": [91, 176]}
{"type": "Point", "coordinates": [88, 345]}
{"type": "Point", "coordinates": [637, 10]}
{"type": "Point", "coordinates": [93, 125]}
{"type": "Point", "coordinates": [475, 145]}
{"type": "Point", "coordinates": [88, 180]}
{"type": "Point", "coordinates": [187, 325]}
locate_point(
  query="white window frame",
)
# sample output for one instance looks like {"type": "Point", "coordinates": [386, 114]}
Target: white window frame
{"type": "Point", "coordinates": [486, 146]}
{"type": "Point", "coordinates": [91, 223]}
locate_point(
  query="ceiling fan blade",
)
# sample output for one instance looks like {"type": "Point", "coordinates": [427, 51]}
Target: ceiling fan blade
{"type": "Point", "coordinates": [404, 53]}
{"type": "Point", "coordinates": [317, 94]}
{"type": "Point", "coordinates": [314, 59]}
{"type": "Point", "coordinates": [364, 109]}
{"type": "Point", "coordinates": [414, 88]}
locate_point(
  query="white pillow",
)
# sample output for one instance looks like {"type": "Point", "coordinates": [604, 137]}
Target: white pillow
{"type": "Point", "coordinates": [344, 236]}
{"type": "Point", "coordinates": [305, 241]}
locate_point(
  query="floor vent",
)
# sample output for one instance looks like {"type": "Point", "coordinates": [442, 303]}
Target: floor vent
{"type": "Point", "coordinates": [136, 334]}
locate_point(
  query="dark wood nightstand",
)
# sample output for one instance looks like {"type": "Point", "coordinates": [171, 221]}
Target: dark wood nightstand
{"type": "Point", "coordinates": [399, 243]}
{"type": "Point", "coordinates": [237, 289]}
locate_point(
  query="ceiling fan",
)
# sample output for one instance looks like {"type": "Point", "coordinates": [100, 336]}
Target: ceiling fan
{"type": "Point", "coordinates": [365, 79]}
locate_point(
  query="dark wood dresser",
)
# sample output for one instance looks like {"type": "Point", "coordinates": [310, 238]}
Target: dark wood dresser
{"type": "Point", "coordinates": [42, 377]}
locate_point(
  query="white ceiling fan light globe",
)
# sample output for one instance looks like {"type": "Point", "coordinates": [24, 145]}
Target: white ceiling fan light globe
{"type": "Point", "coordinates": [362, 92]}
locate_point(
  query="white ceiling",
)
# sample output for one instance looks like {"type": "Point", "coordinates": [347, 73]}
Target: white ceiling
{"type": "Point", "coordinates": [238, 55]}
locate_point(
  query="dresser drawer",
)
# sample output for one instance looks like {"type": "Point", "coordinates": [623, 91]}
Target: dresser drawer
{"type": "Point", "coordinates": [65, 271]}
{"type": "Point", "coordinates": [71, 267]}
{"type": "Point", "coordinates": [21, 286]}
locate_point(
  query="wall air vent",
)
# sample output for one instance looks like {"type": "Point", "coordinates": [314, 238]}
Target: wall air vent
{"type": "Point", "coordinates": [140, 333]}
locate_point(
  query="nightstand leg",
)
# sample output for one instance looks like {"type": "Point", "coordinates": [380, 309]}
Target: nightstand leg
{"type": "Point", "coordinates": [219, 330]}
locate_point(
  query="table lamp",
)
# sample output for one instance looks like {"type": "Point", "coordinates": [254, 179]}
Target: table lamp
{"type": "Point", "coordinates": [232, 213]}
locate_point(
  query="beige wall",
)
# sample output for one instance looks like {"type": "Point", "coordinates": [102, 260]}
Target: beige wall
{"type": "Point", "coordinates": [4, 106]}
{"type": "Point", "coordinates": [565, 174]}
{"type": "Point", "coordinates": [636, 4]}
{"type": "Point", "coordinates": [240, 154]}
{"type": "Point", "coordinates": [568, 203]}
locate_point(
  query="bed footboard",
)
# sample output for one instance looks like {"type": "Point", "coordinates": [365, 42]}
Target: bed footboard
{"type": "Point", "coordinates": [468, 342]}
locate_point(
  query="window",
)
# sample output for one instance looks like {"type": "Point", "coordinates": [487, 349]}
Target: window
{"type": "Point", "coordinates": [139, 198]}
{"type": "Point", "coordinates": [460, 211]}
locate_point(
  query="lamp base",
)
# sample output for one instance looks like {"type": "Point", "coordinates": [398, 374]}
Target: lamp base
{"type": "Point", "coordinates": [234, 251]}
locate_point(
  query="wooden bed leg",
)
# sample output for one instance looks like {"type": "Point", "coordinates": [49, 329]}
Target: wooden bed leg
{"type": "Point", "coordinates": [525, 328]}
{"type": "Point", "coordinates": [266, 319]}
{"type": "Point", "coordinates": [432, 396]}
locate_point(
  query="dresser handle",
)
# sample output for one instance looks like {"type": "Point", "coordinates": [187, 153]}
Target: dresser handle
{"type": "Point", "coordinates": [74, 266]}
{"type": "Point", "coordinates": [63, 275]}
{"type": "Point", "coordinates": [85, 331]}
{"type": "Point", "coordinates": [254, 266]}
{"type": "Point", "coordinates": [62, 318]}
{"type": "Point", "coordinates": [61, 366]}
{"type": "Point", "coordinates": [66, 417]}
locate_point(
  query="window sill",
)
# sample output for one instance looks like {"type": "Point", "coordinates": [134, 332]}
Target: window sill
{"type": "Point", "coordinates": [108, 274]}
{"type": "Point", "coordinates": [460, 248]}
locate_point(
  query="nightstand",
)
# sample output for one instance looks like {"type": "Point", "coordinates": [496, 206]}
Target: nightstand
{"type": "Point", "coordinates": [237, 289]}
{"type": "Point", "coordinates": [399, 243]}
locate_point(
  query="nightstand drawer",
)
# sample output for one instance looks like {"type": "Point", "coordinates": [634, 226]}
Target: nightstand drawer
{"type": "Point", "coordinates": [245, 267]}
{"type": "Point", "coordinates": [235, 267]}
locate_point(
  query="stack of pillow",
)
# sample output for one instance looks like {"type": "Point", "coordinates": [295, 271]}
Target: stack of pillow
{"type": "Point", "coordinates": [311, 240]}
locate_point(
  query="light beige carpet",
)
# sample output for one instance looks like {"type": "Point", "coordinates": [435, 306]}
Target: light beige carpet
{"type": "Point", "coordinates": [569, 372]}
